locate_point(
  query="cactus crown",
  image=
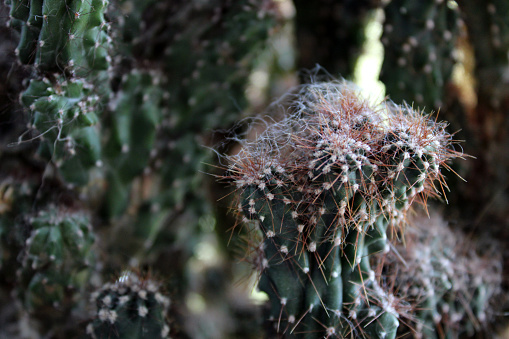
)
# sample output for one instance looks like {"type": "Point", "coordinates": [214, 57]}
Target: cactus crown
{"type": "Point", "coordinates": [330, 131]}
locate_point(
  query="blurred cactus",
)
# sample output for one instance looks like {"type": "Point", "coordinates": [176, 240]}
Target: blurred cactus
{"type": "Point", "coordinates": [134, 120]}
{"type": "Point", "coordinates": [58, 35]}
{"type": "Point", "coordinates": [64, 113]}
{"type": "Point", "coordinates": [57, 260]}
{"type": "Point", "coordinates": [132, 307]}
{"type": "Point", "coordinates": [122, 134]}
{"type": "Point", "coordinates": [450, 281]}
{"type": "Point", "coordinates": [420, 41]}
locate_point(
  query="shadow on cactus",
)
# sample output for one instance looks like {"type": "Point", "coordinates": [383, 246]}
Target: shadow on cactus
{"type": "Point", "coordinates": [326, 185]}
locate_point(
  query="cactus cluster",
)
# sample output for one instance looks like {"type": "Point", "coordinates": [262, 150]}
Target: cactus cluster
{"type": "Point", "coordinates": [119, 137]}
{"type": "Point", "coordinates": [327, 184]}
{"type": "Point", "coordinates": [121, 96]}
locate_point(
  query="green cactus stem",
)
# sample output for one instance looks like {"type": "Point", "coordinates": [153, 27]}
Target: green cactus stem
{"type": "Point", "coordinates": [57, 35]}
{"type": "Point", "coordinates": [65, 116]}
{"type": "Point", "coordinates": [419, 40]}
{"type": "Point", "coordinates": [135, 115]}
{"type": "Point", "coordinates": [57, 259]}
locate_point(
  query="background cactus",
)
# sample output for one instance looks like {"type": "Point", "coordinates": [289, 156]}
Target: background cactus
{"type": "Point", "coordinates": [419, 40]}
{"type": "Point", "coordinates": [132, 307]}
{"type": "Point", "coordinates": [107, 113]}
{"type": "Point", "coordinates": [64, 113]}
{"type": "Point", "coordinates": [59, 35]}
{"type": "Point", "coordinates": [112, 134]}
{"type": "Point", "coordinates": [445, 277]}
{"type": "Point", "coordinates": [57, 261]}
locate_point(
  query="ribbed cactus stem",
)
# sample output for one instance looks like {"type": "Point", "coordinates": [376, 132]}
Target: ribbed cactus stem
{"type": "Point", "coordinates": [420, 38]}
{"type": "Point", "coordinates": [58, 257]}
{"type": "Point", "coordinates": [58, 34]}
{"type": "Point", "coordinates": [64, 116]}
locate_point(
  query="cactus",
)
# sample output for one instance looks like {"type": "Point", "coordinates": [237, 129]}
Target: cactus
{"type": "Point", "coordinates": [135, 117]}
{"type": "Point", "coordinates": [450, 56]}
{"type": "Point", "coordinates": [420, 40]}
{"type": "Point", "coordinates": [117, 101]}
{"type": "Point", "coordinates": [487, 29]}
{"type": "Point", "coordinates": [446, 277]}
{"type": "Point", "coordinates": [64, 112]}
{"type": "Point", "coordinates": [69, 38]}
{"type": "Point", "coordinates": [15, 197]}
{"type": "Point", "coordinates": [132, 307]}
{"type": "Point", "coordinates": [485, 119]}
{"type": "Point", "coordinates": [326, 184]}
{"type": "Point", "coordinates": [57, 263]}
{"type": "Point", "coordinates": [62, 35]}
{"type": "Point", "coordinates": [121, 138]}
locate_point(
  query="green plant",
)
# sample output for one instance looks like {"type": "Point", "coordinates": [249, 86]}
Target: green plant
{"type": "Point", "coordinates": [57, 259]}
{"type": "Point", "coordinates": [419, 40]}
{"type": "Point", "coordinates": [450, 281]}
{"type": "Point", "coordinates": [131, 307]}
{"type": "Point", "coordinates": [108, 111]}
{"type": "Point", "coordinates": [327, 185]}
{"type": "Point", "coordinates": [116, 124]}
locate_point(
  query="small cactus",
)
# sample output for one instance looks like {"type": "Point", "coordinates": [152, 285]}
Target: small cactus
{"type": "Point", "coordinates": [131, 307]}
